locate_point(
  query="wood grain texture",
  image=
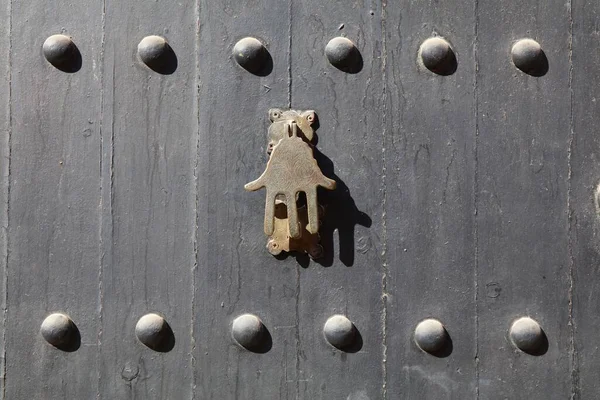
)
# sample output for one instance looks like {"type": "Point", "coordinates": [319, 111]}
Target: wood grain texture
{"type": "Point", "coordinates": [148, 203]}
{"type": "Point", "coordinates": [585, 199]}
{"type": "Point", "coordinates": [522, 158]}
{"type": "Point", "coordinates": [348, 280]}
{"type": "Point", "coordinates": [4, 173]}
{"type": "Point", "coordinates": [430, 203]}
{"type": "Point", "coordinates": [235, 274]}
{"type": "Point", "coordinates": [53, 260]}
{"type": "Point", "coordinates": [471, 198]}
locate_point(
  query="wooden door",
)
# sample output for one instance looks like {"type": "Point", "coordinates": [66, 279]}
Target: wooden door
{"type": "Point", "coordinates": [467, 193]}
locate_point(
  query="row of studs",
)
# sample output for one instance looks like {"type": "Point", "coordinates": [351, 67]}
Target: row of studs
{"type": "Point", "coordinates": [249, 332]}
{"type": "Point", "coordinates": [435, 54]}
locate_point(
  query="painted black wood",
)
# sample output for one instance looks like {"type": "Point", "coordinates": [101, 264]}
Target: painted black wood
{"type": "Point", "coordinates": [523, 126]}
{"type": "Point", "coordinates": [584, 199]}
{"type": "Point", "coordinates": [430, 204]}
{"type": "Point", "coordinates": [348, 280]}
{"type": "Point", "coordinates": [53, 236]}
{"type": "Point", "coordinates": [4, 170]}
{"type": "Point", "coordinates": [234, 274]}
{"type": "Point", "coordinates": [148, 203]}
{"type": "Point", "coordinates": [470, 197]}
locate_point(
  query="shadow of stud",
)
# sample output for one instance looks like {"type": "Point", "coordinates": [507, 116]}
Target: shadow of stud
{"type": "Point", "coordinates": [157, 54]}
{"type": "Point", "coordinates": [343, 54]}
{"type": "Point", "coordinates": [253, 56]}
{"type": "Point", "coordinates": [61, 332]}
{"type": "Point", "coordinates": [153, 331]}
{"type": "Point", "coordinates": [597, 199]}
{"type": "Point", "coordinates": [62, 53]}
{"type": "Point", "coordinates": [527, 335]}
{"type": "Point", "coordinates": [437, 55]}
{"type": "Point", "coordinates": [528, 56]}
{"type": "Point", "coordinates": [431, 337]}
{"type": "Point", "coordinates": [249, 332]}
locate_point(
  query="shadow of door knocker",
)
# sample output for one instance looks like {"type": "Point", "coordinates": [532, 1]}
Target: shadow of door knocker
{"type": "Point", "coordinates": [292, 220]}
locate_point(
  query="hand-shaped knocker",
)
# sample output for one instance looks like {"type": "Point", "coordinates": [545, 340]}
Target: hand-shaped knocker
{"type": "Point", "coordinates": [292, 169]}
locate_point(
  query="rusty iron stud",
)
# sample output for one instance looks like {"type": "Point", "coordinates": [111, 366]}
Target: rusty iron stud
{"type": "Point", "coordinates": [157, 54]}
{"type": "Point", "coordinates": [151, 49]}
{"type": "Point", "coordinates": [527, 335]}
{"type": "Point", "coordinates": [528, 56]}
{"type": "Point", "coordinates": [431, 336]}
{"type": "Point", "coordinates": [437, 55]}
{"type": "Point", "coordinates": [251, 55]}
{"type": "Point", "coordinates": [59, 330]}
{"type": "Point", "coordinates": [153, 331]}
{"type": "Point", "coordinates": [60, 51]}
{"type": "Point", "coordinates": [343, 54]}
{"type": "Point", "coordinates": [339, 331]}
{"type": "Point", "coordinates": [250, 333]}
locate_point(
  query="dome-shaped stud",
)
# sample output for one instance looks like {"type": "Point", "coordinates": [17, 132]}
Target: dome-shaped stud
{"type": "Point", "coordinates": [157, 54]}
{"type": "Point", "coordinates": [249, 332]}
{"type": "Point", "coordinates": [61, 332]}
{"type": "Point", "coordinates": [528, 56]}
{"type": "Point", "coordinates": [62, 53]}
{"type": "Point", "coordinates": [340, 332]}
{"type": "Point", "coordinates": [527, 335]}
{"type": "Point", "coordinates": [253, 56]}
{"type": "Point", "coordinates": [343, 54]}
{"type": "Point", "coordinates": [437, 55]}
{"type": "Point", "coordinates": [153, 331]}
{"type": "Point", "coordinates": [431, 336]}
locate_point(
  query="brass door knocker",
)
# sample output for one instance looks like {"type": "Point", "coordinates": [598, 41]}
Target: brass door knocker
{"type": "Point", "coordinates": [291, 170]}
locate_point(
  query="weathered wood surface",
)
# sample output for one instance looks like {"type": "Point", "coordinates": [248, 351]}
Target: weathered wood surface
{"type": "Point", "coordinates": [429, 213]}
{"type": "Point", "coordinates": [4, 171]}
{"type": "Point", "coordinates": [585, 199]}
{"type": "Point", "coordinates": [148, 200]}
{"type": "Point", "coordinates": [234, 273]}
{"type": "Point", "coordinates": [125, 196]}
{"type": "Point", "coordinates": [523, 125]}
{"type": "Point", "coordinates": [54, 225]}
{"type": "Point", "coordinates": [348, 280]}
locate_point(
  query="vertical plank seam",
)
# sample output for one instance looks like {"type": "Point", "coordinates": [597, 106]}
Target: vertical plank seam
{"type": "Point", "coordinates": [476, 196]}
{"type": "Point", "coordinates": [7, 208]}
{"type": "Point", "coordinates": [384, 294]}
{"type": "Point", "coordinates": [101, 208]}
{"type": "Point", "coordinates": [290, 55]}
{"type": "Point", "coordinates": [196, 202]}
{"type": "Point", "coordinates": [297, 323]}
{"type": "Point", "coordinates": [572, 355]}
{"type": "Point", "coordinates": [297, 305]}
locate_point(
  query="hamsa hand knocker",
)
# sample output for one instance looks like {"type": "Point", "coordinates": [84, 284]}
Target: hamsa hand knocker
{"type": "Point", "coordinates": [291, 170]}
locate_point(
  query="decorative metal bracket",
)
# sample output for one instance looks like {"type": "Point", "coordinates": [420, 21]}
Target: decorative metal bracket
{"type": "Point", "coordinates": [291, 170]}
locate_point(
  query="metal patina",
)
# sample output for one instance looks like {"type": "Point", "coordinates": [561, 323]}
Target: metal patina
{"type": "Point", "coordinates": [291, 170]}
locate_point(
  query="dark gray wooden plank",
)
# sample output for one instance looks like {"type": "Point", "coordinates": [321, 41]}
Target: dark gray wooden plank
{"type": "Point", "coordinates": [430, 165]}
{"type": "Point", "coordinates": [235, 274]}
{"type": "Point", "coordinates": [4, 170]}
{"type": "Point", "coordinates": [54, 197]}
{"type": "Point", "coordinates": [148, 199]}
{"type": "Point", "coordinates": [585, 199]}
{"type": "Point", "coordinates": [348, 280]}
{"type": "Point", "coordinates": [522, 154]}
